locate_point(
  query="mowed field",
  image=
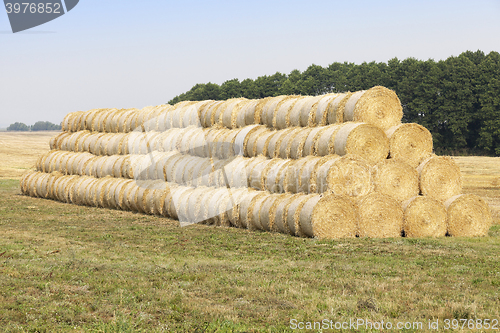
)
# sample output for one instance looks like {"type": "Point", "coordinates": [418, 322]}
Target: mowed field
{"type": "Point", "coordinates": [80, 269]}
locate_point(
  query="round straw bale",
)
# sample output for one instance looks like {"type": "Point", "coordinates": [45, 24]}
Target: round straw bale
{"type": "Point", "coordinates": [121, 120]}
{"type": "Point", "coordinates": [253, 217]}
{"type": "Point", "coordinates": [380, 216]}
{"type": "Point", "coordinates": [230, 115]}
{"type": "Point", "coordinates": [310, 141]}
{"type": "Point", "coordinates": [106, 121]}
{"type": "Point", "coordinates": [281, 117]}
{"type": "Point", "coordinates": [252, 163]}
{"type": "Point", "coordinates": [217, 142]}
{"type": "Point", "coordinates": [159, 195]}
{"type": "Point", "coordinates": [75, 190]}
{"type": "Point", "coordinates": [269, 108]}
{"type": "Point", "coordinates": [295, 111]}
{"type": "Point", "coordinates": [312, 181]}
{"type": "Point", "coordinates": [110, 194]}
{"type": "Point", "coordinates": [225, 145]}
{"type": "Point", "coordinates": [230, 204]}
{"type": "Point", "coordinates": [320, 110]}
{"type": "Point", "coordinates": [396, 179]}
{"type": "Point", "coordinates": [378, 106]}
{"type": "Point", "coordinates": [202, 166]}
{"type": "Point", "coordinates": [108, 166]}
{"type": "Point", "coordinates": [167, 139]}
{"type": "Point", "coordinates": [162, 118]}
{"type": "Point", "coordinates": [329, 217]}
{"type": "Point", "coordinates": [348, 175]}
{"type": "Point", "coordinates": [280, 223]}
{"type": "Point", "coordinates": [103, 192]}
{"type": "Point", "coordinates": [439, 177]}
{"type": "Point", "coordinates": [204, 110]}
{"type": "Point", "coordinates": [306, 173]}
{"type": "Point", "coordinates": [262, 143]}
{"type": "Point", "coordinates": [250, 142]}
{"type": "Point", "coordinates": [65, 124]}
{"type": "Point", "coordinates": [150, 194]}
{"type": "Point", "coordinates": [235, 170]}
{"type": "Point", "coordinates": [246, 107]}
{"type": "Point", "coordinates": [325, 142]}
{"type": "Point", "coordinates": [59, 140]}
{"type": "Point", "coordinates": [241, 139]}
{"type": "Point", "coordinates": [279, 185]}
{"type": "Point", "coordinates": [41, 185]}
{"type": "Point", "coordinates": [112, 121]}
{"type": "Point", "coordinates": [123, 198]}
{"type": "Point", "coordinates": [411, 143]}
{"type": "Point", "coordinates": [224, 201]}
{"type": "Point", "coordinates": [424, 217]}
{"type": "Point", "coordinates": [30, 184]}
{"type": "Point", "coordinates": [176, 205]}
{"type": "Point", "coordinates": [233, 213]}
{"type": "Point", "coordinates": [206, 174]}
{"type": "Point", "coordinates": [195, 211]}
{"type": "Point", "coordinates": [89, 118]}
{"type": "Point", "coordinates": [256, 116]}
{"type": "Point", "coordinates": [335, 110]}
{"type": "Point", "coordinates": [270, 175]}
{"type": "Point", "coordinates": [199, 144]}
{"type": "Point", "coordinates": [247, 205]}
{"type": "Point", "coordinates": [296, 144]}
{"type": "Point", "coordinates": [255, 177]}
{"type": "Point", "coordinates": [307, 114]}
{"type": "Point", "coordinates": [204, 208]}
{"type": "Point", "coordinates": [293, 214]}
{"type": "Point", "coordinates": [245, 201]}
{"type": "Point", "coordinates": [365, 140]}
{"type": "Point", "coordinates": [219, 178]}
{"type": "Point", "coordinates": [69, 188]}
{"type": "Point", "coordinates": [284, 143]}
{"type": "Point", "coordinates": [273, 144]}
{"type": "Point", "coordinates": [23, 183]}
{"type": "Point", "coordinates": [226, 108]}
{"type": "Point", "coordinates": [212, 208]}
{"type": "Point", "coordinates": [292, 178]}
{"type": "Point", "coordinates": [266, 212]}
{"type": "Point", "coordinates": [84, 143]}
{"type": "Point", "coordinates": [468, 216]}
{"type": "Point", "coordinates": [206, 120]}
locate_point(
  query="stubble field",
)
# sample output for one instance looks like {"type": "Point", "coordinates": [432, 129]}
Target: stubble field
{"type": "Point", "coordinates": [79, 269]}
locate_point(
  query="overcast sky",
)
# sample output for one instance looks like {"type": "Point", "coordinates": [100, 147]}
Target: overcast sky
{"type": "Point", "coordinates": [124, 53]}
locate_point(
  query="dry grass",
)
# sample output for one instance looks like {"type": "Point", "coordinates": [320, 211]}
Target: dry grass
{"type": "Point", "coordinates": [481, 176]}
{"type": "Point", "coordinates": [83, 269]}
{"type": "Point", "coordinates": [19, 151]}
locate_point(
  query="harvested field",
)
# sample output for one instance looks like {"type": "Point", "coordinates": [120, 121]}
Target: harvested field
{"type": "Point", "coordinates": [67, 267]}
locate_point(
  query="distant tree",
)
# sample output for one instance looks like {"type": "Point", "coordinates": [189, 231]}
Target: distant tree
{"type": "Point", "coordinates": [45, 126]}
{"type": "Point", "coordinates": [19, 127]}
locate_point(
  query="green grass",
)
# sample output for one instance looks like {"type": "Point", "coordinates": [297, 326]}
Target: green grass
{"type": "Point", "coordinates": [79, 269]}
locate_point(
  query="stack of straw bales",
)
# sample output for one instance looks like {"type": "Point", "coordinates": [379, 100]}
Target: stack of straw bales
{"type": "Point", "coordinates": [329, 166]}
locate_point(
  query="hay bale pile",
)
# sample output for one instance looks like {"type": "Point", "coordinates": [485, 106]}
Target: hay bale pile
{"type": "Point", "coordinates": [329, 166]}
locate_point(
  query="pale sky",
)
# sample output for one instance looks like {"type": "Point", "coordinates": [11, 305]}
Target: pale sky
{"type": "Point", "coordinates": [123, 53]}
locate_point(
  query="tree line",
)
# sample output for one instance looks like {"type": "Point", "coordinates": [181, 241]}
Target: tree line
{"type": "Point", "coordinates": [38, 126]}
{"type": "Point", "coordinates": [457, 99]}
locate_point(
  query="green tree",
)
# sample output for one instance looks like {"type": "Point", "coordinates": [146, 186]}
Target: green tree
{"type": "Point", "coordinates": [45, 126]}
{"type": "Point", "coordinates": [489, 99]}
{"type": "Point", "coordinates": [230, 89]}
{"type": "Point", "coordinates": [20, 127]}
